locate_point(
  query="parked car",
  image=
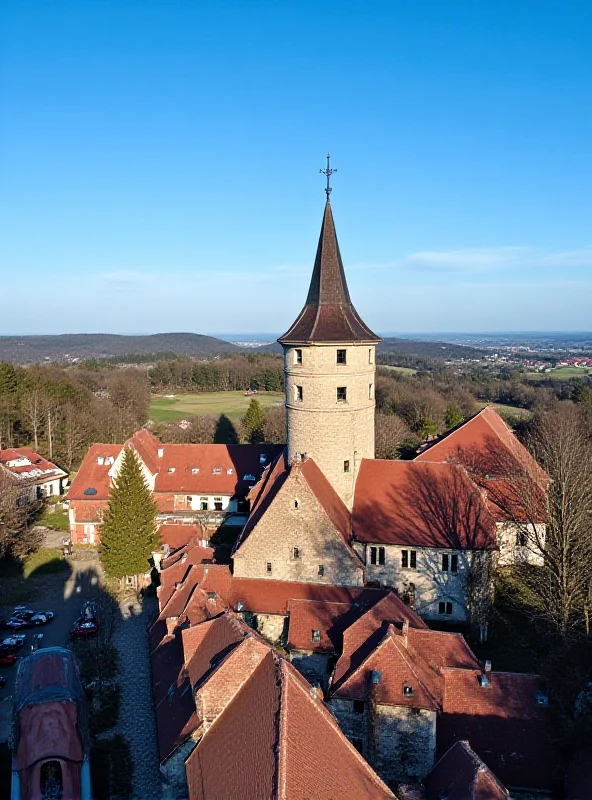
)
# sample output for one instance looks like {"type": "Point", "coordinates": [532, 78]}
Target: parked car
{"type": "Point", "coordinates": [15, 641]}
{"type": "Point", "coordinates": [83, 628]}
{"type": "Point", "coordinates": [20, 612]}
{"type": "Point", "coordinates": [15, 624]}
{"type": "Point", "coordinates": [7, 659]}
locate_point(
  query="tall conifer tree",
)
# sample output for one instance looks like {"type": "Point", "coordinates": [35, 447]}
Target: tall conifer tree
{"type": "Point", "coordinates": [128, 534]}
{"type": "Point", "coordinates": [253, 422]}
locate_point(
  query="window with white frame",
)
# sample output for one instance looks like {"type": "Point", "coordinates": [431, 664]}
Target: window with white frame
{"type": "Point", "coordinates": [409, 559]}
{"type": "Point", "coordinates": [449, 562]}
{"type": "Point", "coordinates": [377, 555]}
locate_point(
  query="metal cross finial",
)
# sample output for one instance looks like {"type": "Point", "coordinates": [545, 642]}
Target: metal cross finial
{"type": "Point", "coordinates": [328, 172]}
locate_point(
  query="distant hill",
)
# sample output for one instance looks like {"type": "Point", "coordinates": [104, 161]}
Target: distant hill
{"type": "Point", "coordinates": [413, 348]}
{"type": "Point", "coordinates": [67, 347]}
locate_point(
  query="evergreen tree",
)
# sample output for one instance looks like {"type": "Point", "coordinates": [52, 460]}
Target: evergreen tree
{"type": "Point", "coordinates": [128, 534]}
{"type": "Point", "coordinates": [8, 379]}
{"type": "Point", "coordinates": [453, 416]}
{"type": "Point", "coordinates": [253, 422]}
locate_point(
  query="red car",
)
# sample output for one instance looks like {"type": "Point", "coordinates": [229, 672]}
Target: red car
{"type": "Point", "coordinates": [83, 628]}
{"type": "Point", "coordinates": [7, 659]}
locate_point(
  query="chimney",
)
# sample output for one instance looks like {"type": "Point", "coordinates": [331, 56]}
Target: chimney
{"type": "Point", "coordinates": [405, 631]}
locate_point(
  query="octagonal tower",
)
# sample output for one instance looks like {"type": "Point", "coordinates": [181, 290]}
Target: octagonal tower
{"type": "Point", "coordinates": [329, 367]}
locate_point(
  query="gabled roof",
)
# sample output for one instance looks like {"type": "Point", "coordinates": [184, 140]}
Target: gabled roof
{"type": "Point", "coordinates": [328, 315]}
{"type": "Point", "coordinates": [277, 740]}
{"type": "Point", "coordinates": [146, 446]}
{"type": "Point", "coordinates": [328, 499]}
{"type": "Point", "coordinates": [217, 637]}
{"type": "Point", "coordinates": [496, 460]}
{"type": "Point", "coordinates": [504, 722]}
{"type": "Point", "coordinates": [420, 505]}
{"type": "Point", "coordinates": [328, 619]}
{"type": "Point", "coordinates": [461, 775]}
{"type": "Point", "coordinates": [179, 537]}
{"type": "Point", "coordinates": [25, 463]}
{"type": "Point", "coordinates": [92, 481]}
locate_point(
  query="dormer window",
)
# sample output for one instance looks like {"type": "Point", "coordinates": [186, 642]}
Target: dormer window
{"type": "Point", "coordinates": [171, 469]}
{"type": "Point", "coordinates": [194, 470]}
{"type": "Point", "coordinates": [229, 471]}
{"type": "Point", "coordinates": [341, 357]}
{"type": "Point", "coordinates": [217, 471]}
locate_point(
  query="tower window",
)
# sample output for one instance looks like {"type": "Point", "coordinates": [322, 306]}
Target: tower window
{"type": "Point", "coordinates": [370, 391]}
{"type": "Point", "coordinates": [298, 394]}
{"type": "Point", "coordinates": [321, 570]}
{"type": "Point", "coordinates": [342, 356]}
{"type": "Point", "coordinates": [268, 566]}
{"type": "Point", "coordinates": [298, 356]}
{"type": "Point", "coordinates": [341, 394]}
{"type": "Point", "coordinates": [296, 503]}
{"type": "Point", "coordinates": [295, 552]}
{"type": "Point", "coordinates": [346, 466]}
{"type": "Point", "coordinates": [370, 359]}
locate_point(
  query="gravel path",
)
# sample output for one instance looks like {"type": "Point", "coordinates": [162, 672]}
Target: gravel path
{"type": "Point", "coordinates": [137, 722]}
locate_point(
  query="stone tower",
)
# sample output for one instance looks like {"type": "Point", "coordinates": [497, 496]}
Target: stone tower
{"type": "Point", "coordinates": [329, 367]}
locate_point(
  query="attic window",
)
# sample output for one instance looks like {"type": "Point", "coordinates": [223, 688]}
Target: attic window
{"type": "Point", "coordinates": [346, 466]}
{"type": "Point", "coordinates": [316, 636]}
{"type": "Point", "coordinates": [100, 461]}
{"type": "Point", "coordinates": [407, 690]}
{"type": "Point", "coordinates": [194, 470]}
{"type": "Point", "coordinates": [445, 608]}
{"type": "Point", "coordinates": [217, 471]}
{"type": "Point", "coordinates": [230, 471]}
{"type": "Point", "coordinates": [321, 572]}
{"type": "Point", "coordinates": [296, 503]}
{"type": "Point", "coordinates": [109, 460]}
{"type": "Point", "coordinates": [172, 469]}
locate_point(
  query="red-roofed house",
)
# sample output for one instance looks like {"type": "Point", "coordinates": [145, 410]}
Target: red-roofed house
{"type": "Point", "coordinates": [425, 530]}
{"type": "Point", "coordinates": [35, 475]}
{"type": "Point", "coordinates": [205, 484]}
{"type": "Point", "coordinates": [461, 775]}
{"type": "Point", "coordinates": [514, 483]}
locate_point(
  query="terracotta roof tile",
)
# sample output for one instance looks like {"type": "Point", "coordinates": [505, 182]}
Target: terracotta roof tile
{"type": "Point", "coordinates": [329, 619]}
{"type": "Point", "coordinates": [504, 724]}
{"type": "Point", "coordinates": [38, 469]}
{"type": "Point", "coordinates": [420, 505]}
{"type": "Point", "coordinates": [328, 315]}
{"type": "Point", "coordinates": [88, 510]}
{"type": "Point", "coordinates": [94, 475]}
{"type": "Point", "coordinates": [206, 644]}
{"type": "Point", "coordinates": [461, 775]}
{"type": "Point", "coordinates": [179, 536]}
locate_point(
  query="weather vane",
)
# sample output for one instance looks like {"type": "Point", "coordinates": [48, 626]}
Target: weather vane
{"type": "Point", "coordinates": [328, 172]}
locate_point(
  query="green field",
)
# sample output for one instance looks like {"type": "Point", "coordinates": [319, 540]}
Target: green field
{"type": "Point", "coordinates": [233, 404]}
{"type": "Point", "coordinates": [560, 373]}
{"type": "Point", "coordinates": [402, 370]}
{"type": "Point", "coordinates": [508, 411]}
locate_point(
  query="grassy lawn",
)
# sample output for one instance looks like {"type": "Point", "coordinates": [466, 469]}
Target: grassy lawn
{"type": "Point", "coordinates": [402, 370]}
{"type": "Point", "coordinates": [508, 411]}
{"type": "Point", "coordinates": [54, 517]}
{"type": "Point", "coordinates": [44, 562]}
{"type": "Point", "coordinates": [560, 373]}
{"type": "Point", "coordinates": [232, 404]}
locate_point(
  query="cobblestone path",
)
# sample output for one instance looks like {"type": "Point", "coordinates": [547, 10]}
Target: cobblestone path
{"type": "Point", "coordinates": [136, 714]}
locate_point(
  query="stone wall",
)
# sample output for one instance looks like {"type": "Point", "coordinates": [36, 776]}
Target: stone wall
{"type": "Point", "coordinates": [295, 519]}
{"type": "Point", "coordinates": [314, 666]}
{"type": "Point", "coordinates": [520, 544]}
{"type": "Point", "coordinates": [332, 431]}
{"type": "Point", "coordinates": [173, 770]}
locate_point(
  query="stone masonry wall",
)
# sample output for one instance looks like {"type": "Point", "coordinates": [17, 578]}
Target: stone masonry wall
{"type": "Point", "coordinates": [332, 431]}
{"type": "Point", "coordinates": [307, 527]}
{"type": "Point", "coordinates": [404, 747]}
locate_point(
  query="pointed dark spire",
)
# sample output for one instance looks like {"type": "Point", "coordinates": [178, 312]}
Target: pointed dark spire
{"type": "Point", "coordinates": [328, 315]}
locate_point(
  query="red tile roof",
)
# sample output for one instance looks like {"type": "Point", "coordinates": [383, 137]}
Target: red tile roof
{"type": "Point", "coordinates": [146, 446]}
{"type": "Point", "coordinates": [504, 724]}
{"type": "Point", "coordinates": [178, 536]}
{"type": "Point", "coordinates": [216, 639]}
{"type": "Point", "coordinates": [276, 739]}
{"type": "Point", "coordinates": [420, 505]}
{"type": "Point", "coordinates": [36, 467]}
{"type": "Point", "coordinates": [88, 510]}
{"type": "Point", "coordinates": [497, 461]}
{"type": "Point", "coordinates": [94, 475]}
{"type": "Point", "coordinates": [329, 315]}
{"type": "Point", "coordinates": [329, 619]}
{"type": "Point", "coordinates": [461, 775]}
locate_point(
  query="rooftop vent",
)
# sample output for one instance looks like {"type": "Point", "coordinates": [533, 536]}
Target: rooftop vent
{"type": "Point", "coordinates": [166, 549]}
{"type": "Point", "coordinates": [407, 690]}
{"type": "Point", "coordinates": [262, 458]}
{"type": "Point", "coordinates": [100, 460]}
{"type": "Point", "coordinates": [229, 471]}
{"type": "Point", "coordinates": [183, 558]}
{"type": "Point", "coordinates": [110, 460]}
{"type": "Point", "coordinates": [217, 471]}
{"type": "Point", "coordinates": [179, 585]}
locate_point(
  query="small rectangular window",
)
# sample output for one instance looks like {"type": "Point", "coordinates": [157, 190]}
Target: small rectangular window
{"type": "Point", "coordinates": [295, 552]}
{"type": "Point", "coordinates": [268, 566]}
{"type": "Point", "coordinates": [444, 562]}
{"type": "Point", "coordinates": [370, 391]}
{"type": "Point", "coordinates": [298, 356]}
{"type": "Point", "coordinates": [445, 608]}
{"type": "Point", "coordinates": [341, 394]}
{"type": "Point", "coordinates": [370, 361]}
{"type": "Point", "coordinates": [413, 559]}
{"type": "Point", "coordinates": [405, 559]}
{"type": "Point", "coordinates": [454, 563]}
{"type": "Point", "coordinates": [217, 504]}
{"type": "Point", "coordinates": [409, 559]}
{"type": "Point", "coordinates": [298, 394]}
{"type": "Point", "coordinates": [342, 357]}
{"type": "Point", "coordinates": [407, 690]}
{"type": "Point", "coordinates": [377, 555]}
{"type": "Point", "coordinates": [316, 636]}
{"type": "Point", "coordinates": [189, 499]}
{"type": "Point", "coordinates": [381, 556]}
{"type": "Point", "coordinates": [321, 570]}
{"type": "Point", "coordinates": [359, 706]}
{"type": "Point", "coordinates": [373, 555]}
{"type": "Point", "coordinates": [359, 745]}
{"type": "Point", "coordinates": [203, 503]}
{"type": "Point", "coordinates": [346, 466]}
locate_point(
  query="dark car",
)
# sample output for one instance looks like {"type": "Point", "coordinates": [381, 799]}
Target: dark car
{"type": "Point", "coordinates": [15, 642]}
{"type": "Point", "coordinates": [15, 624]}
{"type": "Point", "coordinates": [7, 659]}
{"type": "Point", "coordinates": [25, 613]}
{"type": "Point", "coordinates": [83, 628]}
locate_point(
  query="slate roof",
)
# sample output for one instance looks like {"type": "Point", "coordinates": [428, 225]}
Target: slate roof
{"type": "Point", "coordinates": [420, 505]}
{"type": "Point", "coordinates": [277, 739]}
{"type": "Point", "coordinates": [461, 775]}
{"type": "Point", "coordinates": [328, 314]}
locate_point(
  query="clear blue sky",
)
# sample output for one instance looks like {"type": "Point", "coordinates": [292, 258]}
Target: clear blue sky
{"type": "Point", "coordinates": [159, 162]}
